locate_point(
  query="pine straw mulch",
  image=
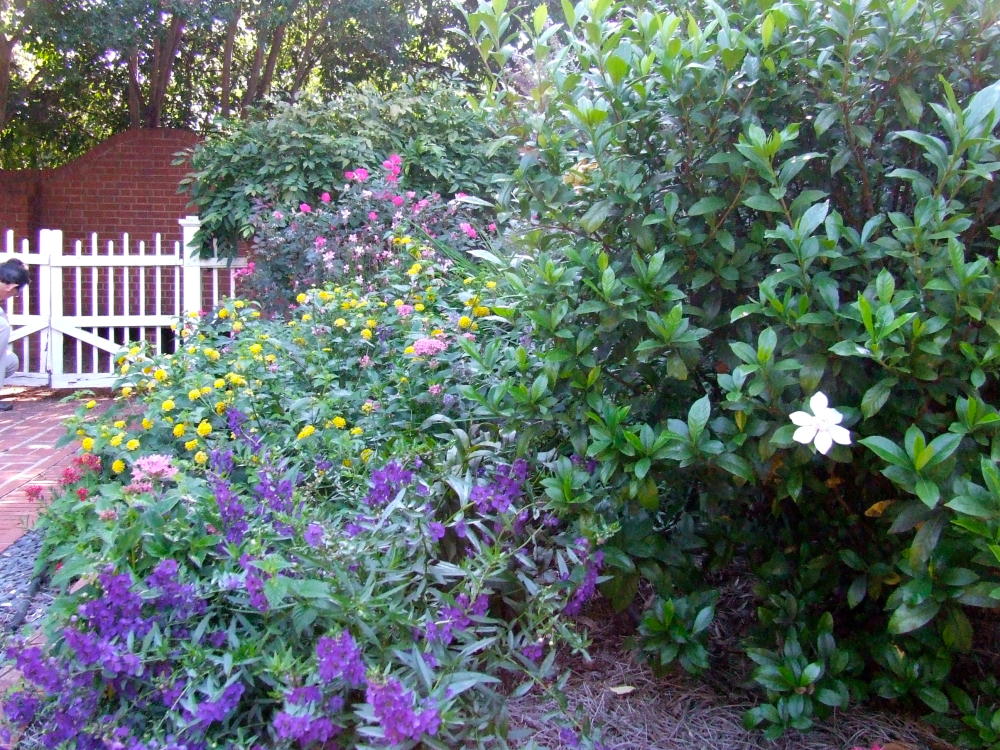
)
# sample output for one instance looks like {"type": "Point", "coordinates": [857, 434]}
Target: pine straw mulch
{"type": "Point", "coordinates": [633, 709]}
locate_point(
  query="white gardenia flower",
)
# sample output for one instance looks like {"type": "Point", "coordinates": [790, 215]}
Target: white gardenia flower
{"type": "Point", "coordinates": [822, 427]}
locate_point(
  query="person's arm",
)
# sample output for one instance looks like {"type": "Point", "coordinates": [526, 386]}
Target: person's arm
{"type": "Point", "coordinates": [4, 334]}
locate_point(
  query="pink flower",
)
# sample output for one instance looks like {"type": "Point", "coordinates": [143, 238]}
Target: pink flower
{"type": "Point", "coordinates": [325, 197]}
{"type": "Point", "coordinates": [467, 228]}
{"type": "Point", "coordinates": [108, 515]}
{"type": "Point", "coordinates": [319, 241]}
{"type": "Point", "coordinates": [435, 390]}
{"type": "Point", "coordinates": [393, 160]}
{"type": "Point", "coordinates": [156, 466]}
{"type": "Point", "coordinates": [278, 215]}
{"type": "Point", "coordinates": [372, 216]}
{"type": "Point", "coordinates": [365, 361]}
{"type": "Point", "coordinates": [349, 176]}
{"type": "Point", "coordinates": [397, 200]}
{"type": "Point", "coordinates": [358, 175]}
{"type": "Point", "coordinates": [34, 492]}
{"type": "Point", "coordinates": [428, 347]}
{"type": "Point", "coordinates": [82, 492]}
{"type": "Point", "coordinates": [70, 474]}
{"type": "Point", "coordinates": [492, 227]}
{"type": "Point", "coordinates": [404, 311]}
{"type": "Point", "coordinates": [305, 208]}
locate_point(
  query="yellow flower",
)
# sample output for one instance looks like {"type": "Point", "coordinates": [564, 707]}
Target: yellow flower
{"type": "Point", "coordinates": [118, 466]}
{"type": "Point", "coordinates": [403, 380]}
{"type": "Point", "coordinates": [91, 404]}
{"type": "Point", "coordinates": [119, 424]}
{"type": "Point", "coordinates": [468, 280]}
{"type": "Point", "coordinates": [124, 369]}
{"type": "Point", "coordinates": [481, 311]}
{"type": "Point", "coordinates": [132, 445]}
{"type": "Point", "coordinates": [219, 383]}
{"type": "Point", "coordinates": [160, 374]}
{"type": "Point", "coordinates": [305, 432]}
{"type": "Point", "coordinates": [465, 322]}
{"type": "Point", "coordinates": [325, 296]}
{"type": "Point", "coordinates": [270, 358]}
{"type": "Point", "coordinates": [339, 422]}
{"type": "Point", "coordinates": [307, 317]}
{"type": "Point", "coordinates": [256, 349]}
{"type": "Point", "coordinates": [194, 394]}
{"type": "Point", "coordinates": [491, 285]}
{"type": "Point", "coordinates": [126, 391]}
{"type": "Point", "coordinates": [237, 326]}
{"type": "Point", "coordinates": [223, 313]}
{"type": "Point", "coordinates": [211, 353]}
{"type": "Point", "coordinates": [220, 407]}
{"type": "Point", "coordinates": [366, 334]}
{"type": "Point", "coordinates": [147, 423]}
{"type": "Point", "coordinates": [179, 429]}
{"type": "Point", "coordinates": [239, 304]}
{"type": "Point", "coordinates": [206, 390]}
{"type": "Point", "coordinates": [167, 405]}
{"type": "Point", "coordinates": [437, 332]}
{"type": "Point", "coordinates": [204, 428]}
{"type": "Point", "coordinates": [116, 440]}
{"type": "Point", "coordinates": [371, 322]}
{"type": "Point", "coordinates": [356, 430]}
{"type": "Point", "coordinates": [87, 444]}
{"type": "Point", "coordinates": [255, 313]}
{"type": "Point", "coordinates": [366, 455]}
{"type": "Point", "coordinates": [409, 350]}
{"type": "Point", "coordinates": [191, 445]}
{"type": "Point", "coordinates": [340, 323]}
{"type": "Point", "coordinates": [301, 298]}
{"type": "Point", "coordinates": [419, 307]}
{"type": "Point", "coordinates": [414, 269]}
{"type": "Point", "coordinates": [192, 349]}
{"type": "Point", "coordinates": [201, 457]}
{"type": "Point", "coordinates": [236, 379]}
{"type": "Point", "coordinates": [347, 463]}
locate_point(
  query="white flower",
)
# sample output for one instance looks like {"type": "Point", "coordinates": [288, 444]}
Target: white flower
{"type": "Point", "coordinates": [822, 427]}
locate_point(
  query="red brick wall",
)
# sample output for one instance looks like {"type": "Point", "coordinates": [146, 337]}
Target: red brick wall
{"type": "Point", "coordinates": [126, 184]}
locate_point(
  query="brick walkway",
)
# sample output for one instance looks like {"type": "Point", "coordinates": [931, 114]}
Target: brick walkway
{"type": "Point", "coordinates": [28, 453]}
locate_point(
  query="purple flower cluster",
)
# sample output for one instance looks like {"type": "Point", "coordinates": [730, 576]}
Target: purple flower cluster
{"type": "Point", "coordinates": [254, 584]}
{"type": "Point", "coordinates": [178, 598]}
{"type": "Point", "coordinates": [386, 484]}
{"type": "Point", "coordinates": [304, 728]}
{"type": "Point", "coordinates": [231, 509]}
{"type": "Point", "coordinates": [455, 618]}
{"type": "Point", "coordinates": [274, 494]}
{"type": "Point", "coordinates": [340, 657]}
{"type": "Point", "coordinates": [217, 710]}
{"type": "Point", "coordinates": [503, 491]}
{"type": "Point", "coordinates": [400, 719]}
{"type": "Point", "coordinates": [589, 584]}
{"type": "Point", "coordinates": [313, 535]}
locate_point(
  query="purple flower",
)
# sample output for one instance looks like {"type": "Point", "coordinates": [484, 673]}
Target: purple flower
{"type": "Point", "coordinates": [313, 535]}
{"type": "Point", "coordinates": [587, 587]}
{"type": "Point", "coordinates": [340, 657]}
{"type": "Point", "coordinates": [435, 530]}
{"type": "Point", "coordinates": [394, 708]}
{"type": "Point", "coordinates": [386, 484]}
{"type": "Point", "coordinates": [21, 707]}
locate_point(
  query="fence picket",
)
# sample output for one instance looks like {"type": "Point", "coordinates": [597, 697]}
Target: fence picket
{"type": "Point", "coordinates": [69, 325]}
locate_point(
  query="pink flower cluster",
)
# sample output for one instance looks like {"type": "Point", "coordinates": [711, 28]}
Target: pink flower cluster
{"type": "Point", "coordinates": [393, 166]}
{"type": "Point", "coordinates": [469, 230]}
{"type": "Point", "coordinates": [357, 175]}
{"type": "Point", "coordinates": [428, 347]}
{"type": "Point", "coordinates": [246, 271]}
{"type": "Point", "coordinates": [153, 467]}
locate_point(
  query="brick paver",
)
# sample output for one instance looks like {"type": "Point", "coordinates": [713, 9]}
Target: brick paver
{"type": "Point", "coordinates": [28, 453]}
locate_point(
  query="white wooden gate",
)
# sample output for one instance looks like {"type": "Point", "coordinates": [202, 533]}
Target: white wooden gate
{"type": "Point", "coordinates": [85, 303]}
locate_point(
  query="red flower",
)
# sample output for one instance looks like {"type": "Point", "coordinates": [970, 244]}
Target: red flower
{"type": "Point", "coordinates": [82, 492]}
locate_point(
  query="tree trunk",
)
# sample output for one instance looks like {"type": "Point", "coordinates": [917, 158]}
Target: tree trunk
{"type": "Point", "coordinates": [253, 80]}
{"type": "Point", "coordinates": [164, 54]}
{"type": "Point", "coordinates": [227, 60]}
{"type": "Point", "coordinates": [134, 90]}
{"type": "Point", "coordinates": [6, 54]}
{"type": "Point", "coordinates": [277, 39]}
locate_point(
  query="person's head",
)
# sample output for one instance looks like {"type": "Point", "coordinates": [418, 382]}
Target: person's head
{"type": "Point", "coordinates": [13, 276]}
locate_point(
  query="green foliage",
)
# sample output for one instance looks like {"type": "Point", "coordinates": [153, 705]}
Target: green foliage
{"type": "Point", "coordinates": [278, 483]}
{"type": "Point", "coordinates": [298, 151]}
{"type": "Point", "coordinates": [726, 212]}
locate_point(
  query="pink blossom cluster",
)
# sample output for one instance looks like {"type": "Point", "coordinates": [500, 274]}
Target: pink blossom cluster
{"type": "Point", "coordinates": [157, 466]}
{"type": "Point", "coordinates": [246, 271]}
{"type": "Point", "coordinates": [360, 174]}
{"type": "Point", "coordinates": [428, 347]}
{"type": "Point", "coordinates": [393, 166]}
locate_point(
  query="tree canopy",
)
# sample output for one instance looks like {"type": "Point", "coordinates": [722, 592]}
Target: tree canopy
{"type": "Point", "coordinates": [73, 72]}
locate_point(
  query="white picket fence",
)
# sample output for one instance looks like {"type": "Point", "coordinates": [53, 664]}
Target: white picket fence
{"type": "Point", "coordinates": [85, 304]}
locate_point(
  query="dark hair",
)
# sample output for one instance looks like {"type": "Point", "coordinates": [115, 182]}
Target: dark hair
{"type": "Point", "coordinates": [14, 271]}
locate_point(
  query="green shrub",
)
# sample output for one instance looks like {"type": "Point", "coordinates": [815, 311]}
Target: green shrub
{"type": "Point", "coordinates": [297, 151]}
{"type": "Point", "coordinates": [727, 211]}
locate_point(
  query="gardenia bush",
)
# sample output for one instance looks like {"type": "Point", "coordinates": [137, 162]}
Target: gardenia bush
{"type": "Point", "coordinates": [291, 533]}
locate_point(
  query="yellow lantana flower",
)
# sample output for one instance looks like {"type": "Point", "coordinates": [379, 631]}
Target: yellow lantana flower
{"type": "Point", "coordinates": [91, 404]}
{"type": "Point", "coordinates": [301, 298]}
{"type": "Point", "coordinates": [147, 423]}
{"type": "Point", "coordinates": [179, 429]}
{"type": "Point", "coordinates": [201, 457]}
{"type": "Point", "coordinates": [167, 405]}
{"type": "Point", "coordinates": [116, 440]}
{"type": "Point", "coordinates": [204, 428]}
{"type": "Point", "coordinates": [118, 466]}
{"type": "Point", "coordinates": [190, 445]}
{"type": "Point", "coordinates": [87, 444]}
{"type": "Point", "coordinates": [339, 422]}
{"type": "Point", "coordinates": [194, 394]}
{"type": "Point", "coordinates": [465, 322]}
{"type": "Point", "coordinates": [132, 445]}
{"type": "Point", "coordinates": [366, 334]}
{"type": "Point", "coordinates": [305, 432]}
